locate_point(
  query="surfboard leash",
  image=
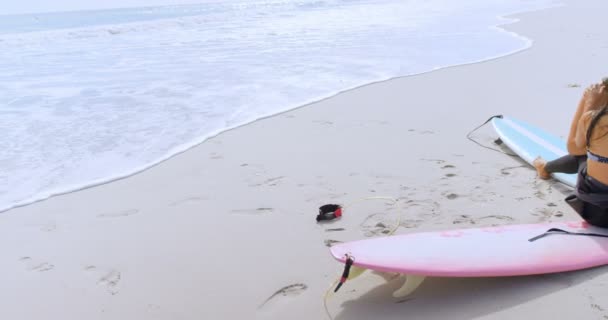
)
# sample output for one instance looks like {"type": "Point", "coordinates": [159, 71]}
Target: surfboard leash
{"type": "Point", "coordinates": [560, 231]}
{"type": "Point", "coordinates": [497, 141]}
{"type": "Point", "coordinates": [347, 265]}
{"type": "Point", "coordinates": [349, 258]}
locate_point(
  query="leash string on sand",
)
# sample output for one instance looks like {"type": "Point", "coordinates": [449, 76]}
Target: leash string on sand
{"type": "Point", "coordinates": [395, 203]}
{"type": "Point", "coordinates": [481, 145]}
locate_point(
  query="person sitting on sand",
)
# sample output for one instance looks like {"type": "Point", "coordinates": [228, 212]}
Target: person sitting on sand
{"type": "Point", "coordinates": [587, 155]}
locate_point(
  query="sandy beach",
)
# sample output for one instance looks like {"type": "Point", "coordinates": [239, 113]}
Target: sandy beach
{"type": "Point", "coordinates": [215, 232]}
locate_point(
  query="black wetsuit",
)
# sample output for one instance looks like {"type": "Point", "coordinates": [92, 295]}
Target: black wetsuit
{"type": "Point", "coordinates": [590, 198]}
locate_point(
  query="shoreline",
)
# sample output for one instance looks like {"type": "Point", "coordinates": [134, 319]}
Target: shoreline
{"type": "Point", "coordinates": [185, 147]}
{"type": "Point", "coordinates": [215, 231]}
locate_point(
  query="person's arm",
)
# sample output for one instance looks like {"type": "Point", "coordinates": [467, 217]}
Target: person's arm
{"type": "Point", "coordinates": [580, 138]}
{"type": "Point", "coordinates": [592, 99]}
{"type": "Point", "coordinates": [571, 142]}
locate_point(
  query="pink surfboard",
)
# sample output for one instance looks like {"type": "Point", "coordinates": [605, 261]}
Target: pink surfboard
{"type": "Point", "coordinates": [479, 252]}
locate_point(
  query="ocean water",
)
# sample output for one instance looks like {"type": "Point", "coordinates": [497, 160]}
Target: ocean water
{"type": "Point", "coordinates": [89, 97]}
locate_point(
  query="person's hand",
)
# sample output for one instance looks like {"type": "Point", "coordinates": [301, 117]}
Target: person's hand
{"type": "Point", "coordinates": [595, 96]}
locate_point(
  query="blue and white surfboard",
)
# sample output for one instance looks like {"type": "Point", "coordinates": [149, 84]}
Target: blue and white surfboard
{"type": "Point", "coordinates": [529, 142]}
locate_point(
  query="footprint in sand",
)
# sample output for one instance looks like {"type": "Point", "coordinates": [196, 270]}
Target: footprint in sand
{"type": "Point", "coordinates": [271, 182]}
{"type": "Point", "coordinates": [464, 218]}
{"type": "Point", "coordinates": [291, 290]}
{"type": "Point", "coordinates": [507, 170]}
{"type": "Point", "coordinates": [330, 242]}
{"type": "Point", "coordinates": [422, 208]}
{"type": "Point", "coordinates": [543, 214]}
{"type": "Point", "coordinates": [186, 200]}
{"type": "Point", "coordinates": [596, 307]}
{"type": "Point", "coordinates": [543, 188]}
{"type": "Point", "coordinates": [383, 122]}
{"type": "Point", "coordinates": [34, 265]}
{"type": "Point", "coordinates": [539, 194]}
{"type": "Point", "coordinates": [215, 156]}
{"type": "Point", "coordinates": [370, 123]}
{"type": "Point", "coordinates": [378, 224]}
{"type": "Point", "coordinates": [437, 161]}
{"type": "Point", "coordinates": [108, 278]}
{"type": "Point", "coordinates": [451, 196]}
{"type": "Point", "coordinates": [497, 217]}
{"type": "Point", "coordinates": [421, 132]}
{"type": "Point", "coordinates": [410, 223]}
{"type": "Point", "coordinates": [257, 211]}
{"type": "Point", "coordinates": [118, 214]}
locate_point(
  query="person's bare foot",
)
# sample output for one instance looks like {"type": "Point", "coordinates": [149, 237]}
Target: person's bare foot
{"type": "Point", "coordinates": [539, 164]}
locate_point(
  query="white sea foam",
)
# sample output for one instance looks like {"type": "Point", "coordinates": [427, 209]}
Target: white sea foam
{"type": "Point", "coordinates": [86, 102]}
